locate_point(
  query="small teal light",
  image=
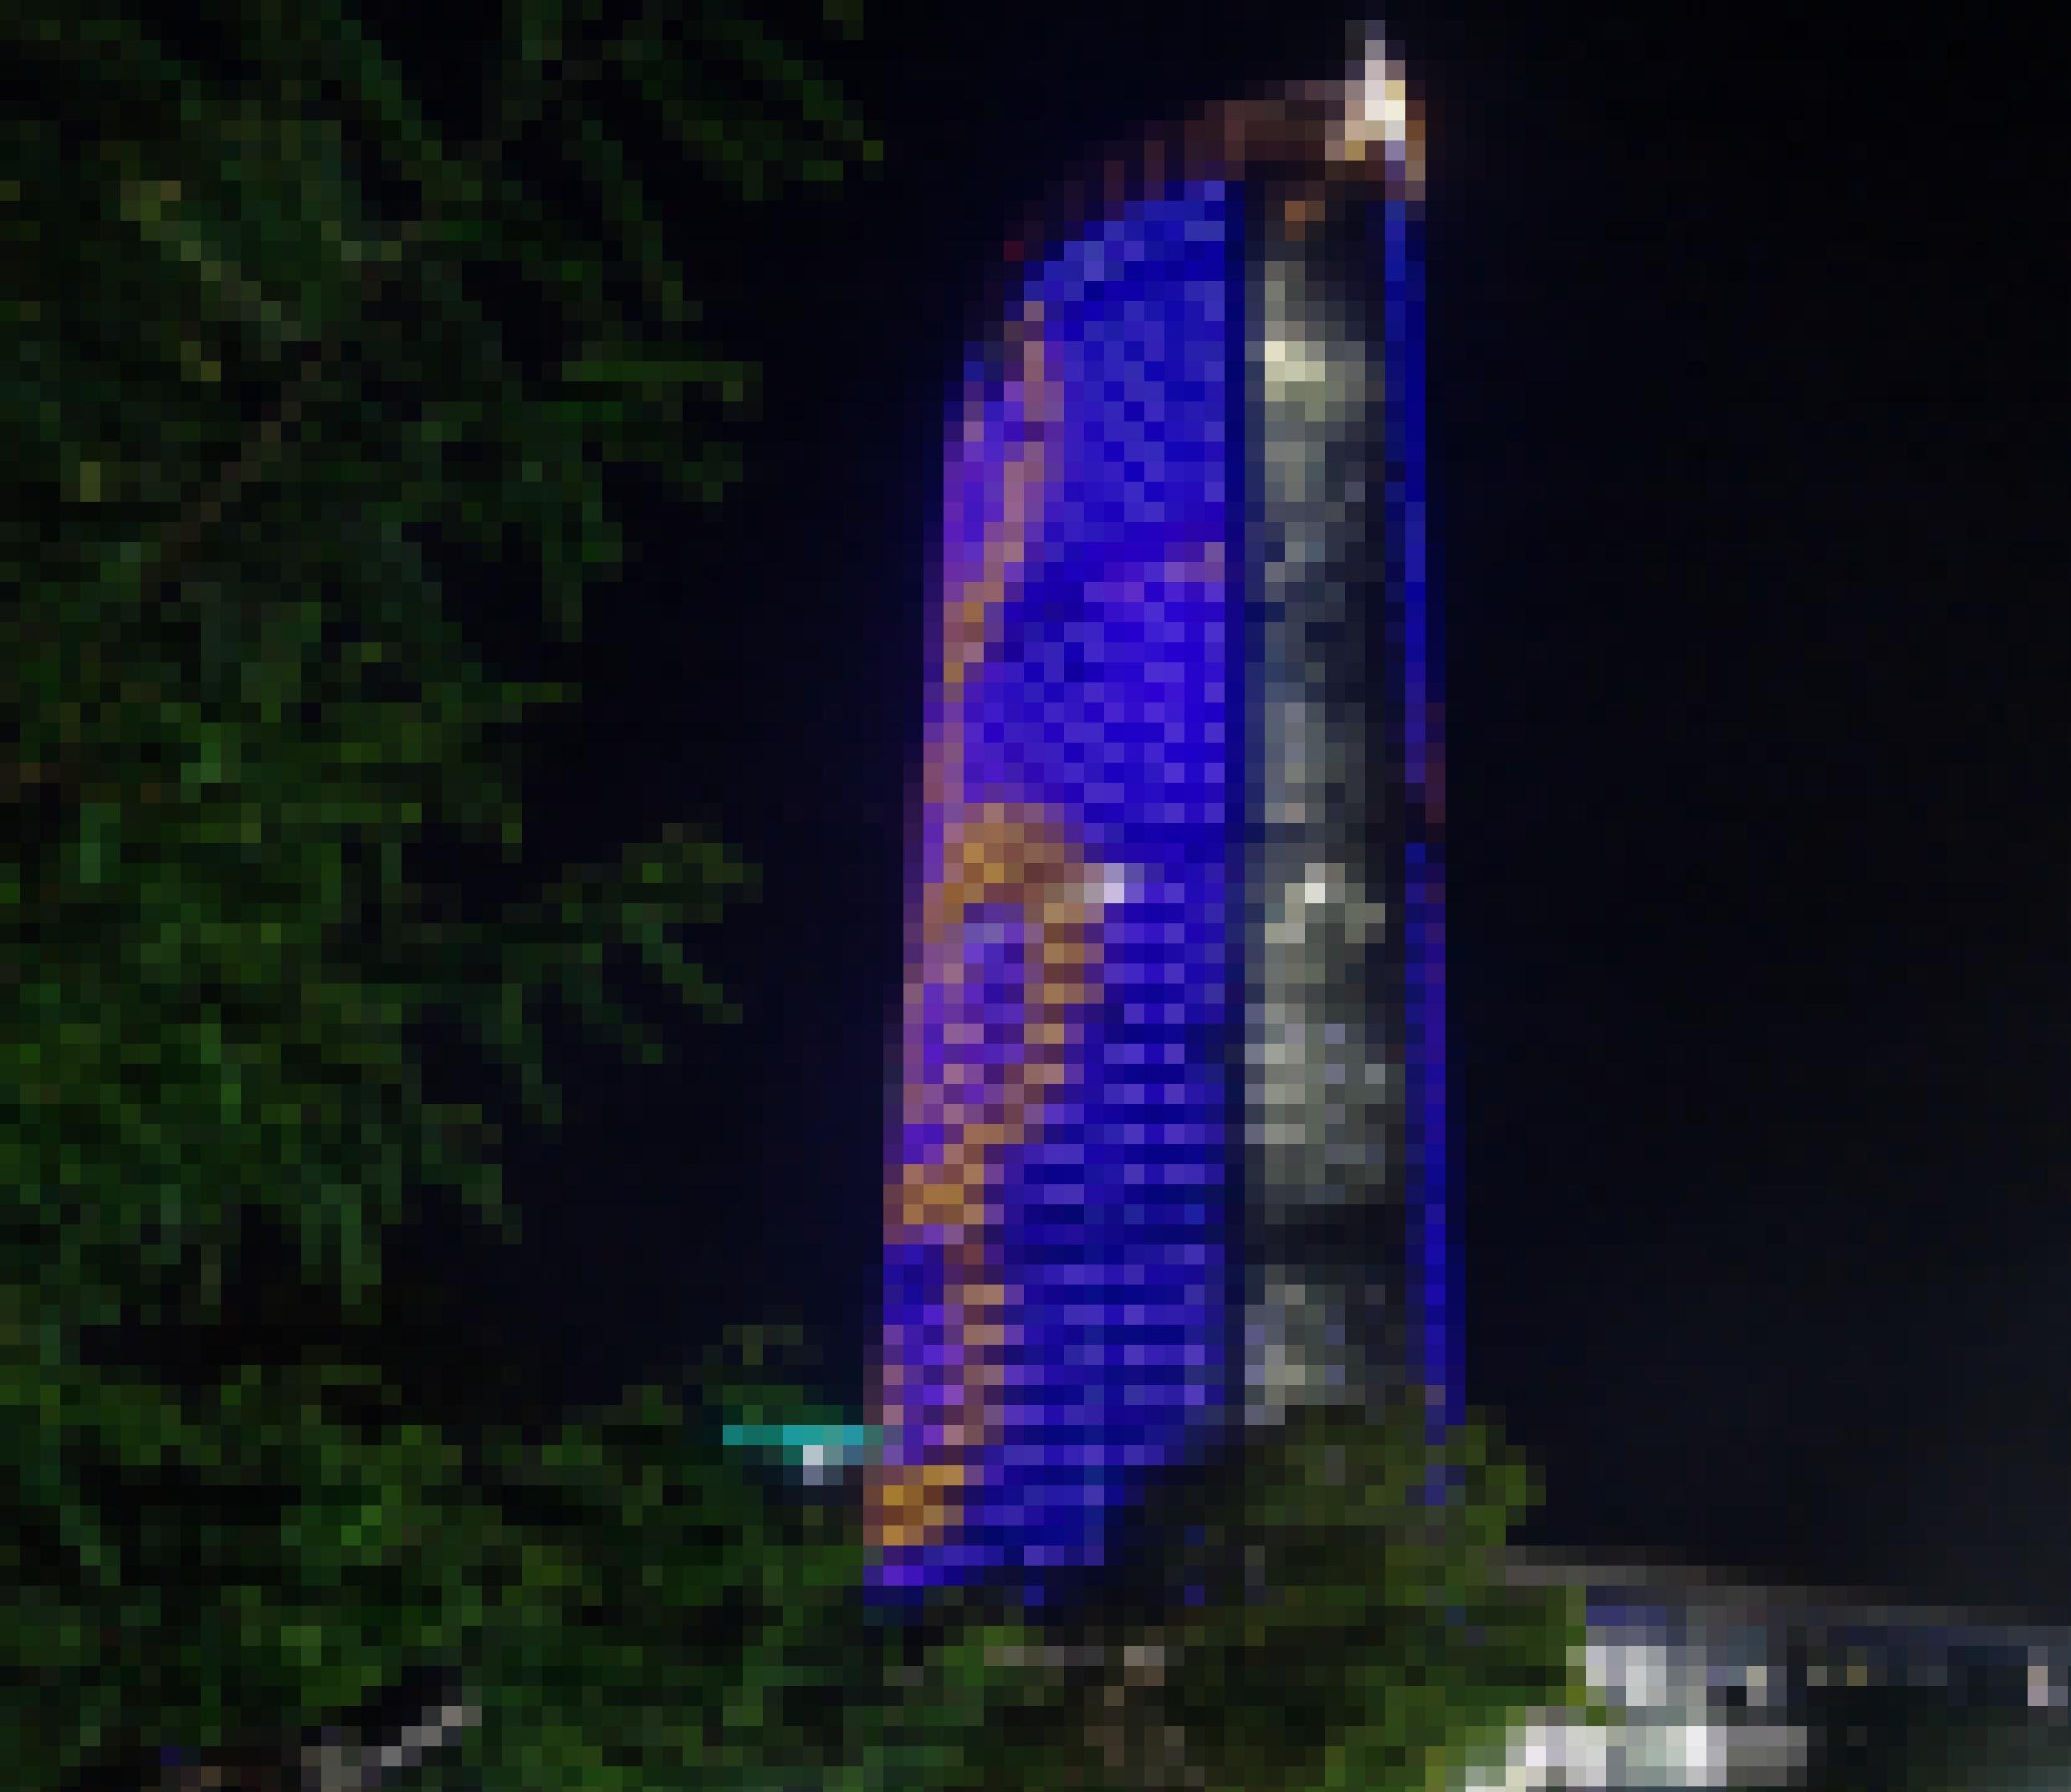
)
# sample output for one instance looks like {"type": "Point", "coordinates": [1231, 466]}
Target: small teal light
{"type": "Point", "coordinates": [835, 1440]}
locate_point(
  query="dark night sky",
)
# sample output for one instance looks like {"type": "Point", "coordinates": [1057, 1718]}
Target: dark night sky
{"type": "Point", "coordinates": [1748, 382]}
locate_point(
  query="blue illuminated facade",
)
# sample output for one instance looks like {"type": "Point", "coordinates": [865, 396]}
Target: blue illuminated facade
{"type": "Point", "coordinates": [1173, 953]}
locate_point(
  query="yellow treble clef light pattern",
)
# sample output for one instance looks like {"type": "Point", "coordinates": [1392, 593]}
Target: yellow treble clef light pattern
{"type": "Point", "coordinates": [1053, 1205]}
{"type": "Point", "coordinates": [996, 855]}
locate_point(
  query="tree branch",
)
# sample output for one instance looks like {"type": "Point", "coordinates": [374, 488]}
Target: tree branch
{"type": "Point", "coordinates": [197, 518]}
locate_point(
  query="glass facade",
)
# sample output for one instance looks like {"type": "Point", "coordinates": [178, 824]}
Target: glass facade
{"type": "Point", "coordinates": [1056, 1219]}
{"type": "Point", "coordinates": [1169, 1145]}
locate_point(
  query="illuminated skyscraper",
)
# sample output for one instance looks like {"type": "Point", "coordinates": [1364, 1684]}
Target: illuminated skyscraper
{"type": "Point", "coordinates": [1169, 1145]}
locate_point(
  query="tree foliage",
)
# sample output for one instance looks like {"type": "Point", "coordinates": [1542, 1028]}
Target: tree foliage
{"type": "Point", "coordinates": [624, 1603]}
{"type": "Point", "coordinates": [290, 350]}
{"type": "Point", "coordinates": [713, 1623]}
{"type": "Point", "coordinates": [260, 400]}
{"type": "Point", "coordinates": [1321, 1605]}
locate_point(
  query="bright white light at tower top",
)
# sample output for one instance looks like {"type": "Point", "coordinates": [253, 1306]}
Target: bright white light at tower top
{"type": "Point", "coordinates": [1377, 110]}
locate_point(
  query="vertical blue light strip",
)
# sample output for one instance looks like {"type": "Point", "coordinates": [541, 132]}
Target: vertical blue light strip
{"type": "Point", "coordinates": [1423, 875]}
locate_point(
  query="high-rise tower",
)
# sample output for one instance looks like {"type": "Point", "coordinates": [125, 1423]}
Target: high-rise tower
{"type": "Point", "coordinates": [1169, 1141]}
